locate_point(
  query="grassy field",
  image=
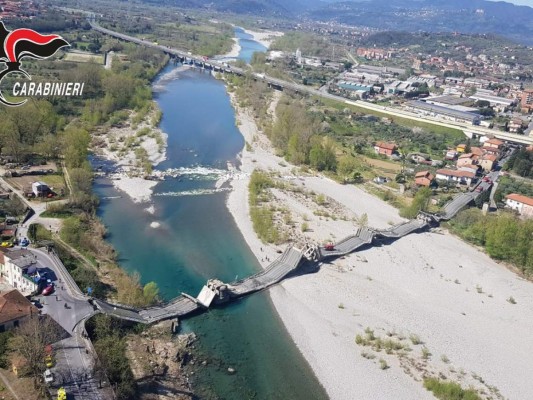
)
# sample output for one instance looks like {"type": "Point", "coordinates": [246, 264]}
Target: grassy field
{"type": "Point", "coordinates": [84, 57]}
{"type": "Point", "coordinates": [397, 120]}
{"type": "Point", "coordinates": [56, 182]}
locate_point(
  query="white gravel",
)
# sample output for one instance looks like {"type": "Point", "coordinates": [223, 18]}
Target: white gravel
{"type": "Point", "coordinates": [423, 284]}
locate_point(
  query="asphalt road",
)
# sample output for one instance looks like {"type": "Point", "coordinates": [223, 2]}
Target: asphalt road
{"type": "Point", "coordinates": [73, 355]}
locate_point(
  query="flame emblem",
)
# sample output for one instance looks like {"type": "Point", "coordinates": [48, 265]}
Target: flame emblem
{"type": "Point", "coordinates": [21, 43]}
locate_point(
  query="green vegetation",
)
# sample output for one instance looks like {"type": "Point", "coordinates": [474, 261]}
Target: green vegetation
{"type": "Point", "coordinates": [4, 349]}
{"type": "Point", "coordinates": [508, 185]}
{"type": "Point", "coordinates": [419, 203]}
{"type": "Point", "coordinates": [443, 390]}
{"type": "Point", "coordinates": [200, 37]}
{"type": "Point", "coordinates": [389, 345]}
{"type": "Point", "coordinates": [262, 216]}
{"type": "Point", "coordinates": [310, 45]}
{"type": "Point", "coordinates": [37, 232]}
{"type": "Point", "coordinates": [521, 163]}
{"type": "Point", "coordinates": [109, 339]}
{"type": "Point", "coordinates": [505, 237]}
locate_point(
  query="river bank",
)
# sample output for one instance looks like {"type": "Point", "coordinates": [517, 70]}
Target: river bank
{"type": "Point", "coordinates": [264, 37]}
{"type": "Point", "coordinates": [430, 286]}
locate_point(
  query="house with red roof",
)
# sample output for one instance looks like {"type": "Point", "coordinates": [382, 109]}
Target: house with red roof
{"type": "Point", "coordinates": [453, 175]}
{"type": "Point", "coordinates": [14, 308]}
{"type": "Point", "coordinates": [493, 143]}
{"type": "Point", "coordinates": [424, 178]}
{"type": "Point", "coordinates": [385, 148]}
{"type": "Point", "coordinates": [520, 203]}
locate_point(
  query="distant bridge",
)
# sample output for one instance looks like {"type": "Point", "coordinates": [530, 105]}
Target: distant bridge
{"type": "Point", "coordinates": [471, 131]}
{"type": "Point", "coordinates": [292, 262]}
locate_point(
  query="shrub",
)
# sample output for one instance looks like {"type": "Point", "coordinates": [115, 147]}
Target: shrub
{"type": "Point", "coordinates": [449, 390]}
{"type": "Point", "coordinates": [415, 339]}
{"type": "Point", "coordinates": [383, 364]}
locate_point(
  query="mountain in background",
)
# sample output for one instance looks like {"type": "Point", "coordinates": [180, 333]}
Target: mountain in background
{"type": "Point", "coordinates": [465, 16]}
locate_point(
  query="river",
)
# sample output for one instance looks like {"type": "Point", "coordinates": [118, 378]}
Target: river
{"type": "Point", "coordinates": [197, 239]}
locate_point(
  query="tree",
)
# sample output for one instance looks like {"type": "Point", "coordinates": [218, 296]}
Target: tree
{"type": "Point", "coordinates": [75, 144]}
{"type": "Point", "coordinates": [29, 342]}
{"type": "Point", "coordinates": [151, 292]}
{"type": "Point", "coordinates": [468, 147]}
{"type": "Point", "coordinates": [347, 168]}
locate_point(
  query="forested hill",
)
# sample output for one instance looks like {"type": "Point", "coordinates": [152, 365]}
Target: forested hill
{"type": "Point", "coordinates": [467, 16]}
{"type": "Point", "coordinates": [283, 8]}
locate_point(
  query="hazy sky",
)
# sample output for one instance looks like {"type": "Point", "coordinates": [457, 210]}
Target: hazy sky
{"type": "Point", "coordinates": [521, 2]}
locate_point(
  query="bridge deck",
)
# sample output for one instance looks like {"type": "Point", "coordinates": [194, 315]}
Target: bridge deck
{"type": "Point", "coordinates": [273, 274]}
{"type": "Point", "coordinates": [178, 307]}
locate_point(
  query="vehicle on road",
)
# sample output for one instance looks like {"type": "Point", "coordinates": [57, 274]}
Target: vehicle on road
{"type": "Point", "coordinates": [48, 377]}
{"type": "Point", "coordinates": [61, 394]}
{"type": "Point", "coordinates": [479, 189]}
{"type": "Point", "coordinates": [24, 242]}
{"type": "Point", "coordinates": [329, 247]}
{"type": "Point", "coordinates": [49, 361]}
{"type": "Point", "coordinates": [48, 290]}
{"type": "Point", "coordinates": [6, 244]}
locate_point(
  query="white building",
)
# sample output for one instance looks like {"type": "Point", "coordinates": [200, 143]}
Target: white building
{"type": "Point", "coordinates": [40, 189]}
{"type": "Point", "coordinates": [522, 204]}
{"type": "Point", "coordinates": [13, 264]}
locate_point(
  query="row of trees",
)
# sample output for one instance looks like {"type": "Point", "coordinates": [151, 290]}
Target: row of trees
{"type": "Point", "coordinates": [505, 237]}
{"type": "Point", "coordinates": [296, 133]}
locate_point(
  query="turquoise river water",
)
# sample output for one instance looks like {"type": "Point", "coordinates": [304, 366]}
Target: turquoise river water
{"type": "Point", "coordinates": [197, 239]}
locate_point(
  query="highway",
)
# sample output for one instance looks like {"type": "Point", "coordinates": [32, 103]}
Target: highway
{"type": "Point", "coordinates": [468, 129]}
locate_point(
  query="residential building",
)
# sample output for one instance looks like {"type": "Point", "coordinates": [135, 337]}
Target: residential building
{"type": "Point", "coordinates": [451, 154]}
{"type": "Point", "coordinates": [423, 178]}
{"type": "Point", "coordinates": [466, 159]}
{"type": "Point", "coordinates": [476, 151]}
{"type": "Point", "coordinates": [461, 148]}
{"type": "Point", "coordinates": [515, 125]}
{"type": "Point", "coordinates": [451, 175]}
{"type": "Point", "coordinates": [13, 267]}
{"type": "Point", "coordinates": [491, 150]}
{"type": "Point", "coordinates": [488, 161]}
{"type": "Point", "coordinates": [526, 102]}
{"type": "Point", "coordinates": [520, 203]}
{"type": "Point", "coordinates": [14, 308]}
{"type": "Point", "coordinates": [385, 148]}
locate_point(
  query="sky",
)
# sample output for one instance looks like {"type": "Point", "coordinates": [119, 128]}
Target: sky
{"type": "Point", "coordinates": [520, 2]}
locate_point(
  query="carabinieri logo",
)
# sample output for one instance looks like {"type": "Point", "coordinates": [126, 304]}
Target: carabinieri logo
{"type": "Point", "coordinates": [22, 43]}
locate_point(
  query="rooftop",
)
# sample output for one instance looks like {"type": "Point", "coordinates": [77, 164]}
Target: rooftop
{"type": "Point", "coordinates": [456, 173]}
{"type": "Point", "coordinates": [13, 305]}
{"type": "Point", "coordinates": [520, 198]}
{"type": "Point", "coordinates": [443, 110]}
{"type": "Point", "coordinates": [385, 145]}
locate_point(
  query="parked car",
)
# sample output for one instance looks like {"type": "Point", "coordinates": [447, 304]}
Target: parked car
{"type": "Point", "coordinates": [49, 361]}
{"type": "Point", "coordinates": [48, 377]}
{"type": "Point", "coordinates": [329, 247]}
{"type": "Point", "coordinates": [61, 394]}
{"type": "Point", "coordinates": [6, 244]}
{"type": "Point", "coordinates": [48, 290]}
{"type": "Point", "coordinates": [24, 242]}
